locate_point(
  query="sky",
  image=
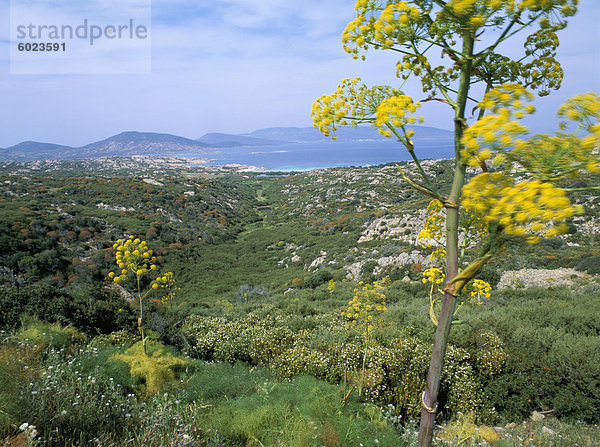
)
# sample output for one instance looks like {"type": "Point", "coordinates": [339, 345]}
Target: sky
{"type": "Point", "coordinates": [232, 66]}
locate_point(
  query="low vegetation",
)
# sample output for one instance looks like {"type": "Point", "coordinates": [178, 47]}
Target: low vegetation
{"type": "Point", "coordinates": [286, 329]}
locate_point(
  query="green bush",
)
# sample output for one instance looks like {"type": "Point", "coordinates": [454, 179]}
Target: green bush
{"type": "Point", "coordinates": [366, 273]}
{"type": "Point", "coordinates": [551, 340]}
{"type": "Point", "coordinates": [316, 279]}
{"type": "Point", "coordinates": [394, 374]}
{"type": "Point", "coordinates": [117, 338]}
{"type": "Point", "coordinates": [247, 293]}
{"type": "Point", "coordinates": [590, 264]}
{"type": "Point", "coordinates": [251, 340]}
{"type": "Point", "coordinates": [90, 309]}
{"type": "Point", "coordinates": [43, 336]}
{"type": "Point", "coordinates": [575, 361]}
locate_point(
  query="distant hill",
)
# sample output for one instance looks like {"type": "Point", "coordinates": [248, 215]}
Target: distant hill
{"type": "Point", "coordinates": [131, 143]}
{"type": "Point", "coordinates": [142, 143]}
{"type": "Point", "coordinates": [33, 150]}
{"type": "Point", "coordinates": [122, 145]}
{"type": "Point", "coordinates": [362, 133]}
{"type": "Point", "coordinates": [230, 140]}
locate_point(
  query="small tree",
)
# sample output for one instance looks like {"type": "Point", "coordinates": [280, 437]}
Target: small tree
{"type": "Point", "coordinates": [135, 261]}
{"type": "Point", "coordinates": [454, 48]}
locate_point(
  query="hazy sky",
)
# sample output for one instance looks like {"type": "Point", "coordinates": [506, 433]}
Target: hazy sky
{"type": "Point", "coordinates": [235, 66]}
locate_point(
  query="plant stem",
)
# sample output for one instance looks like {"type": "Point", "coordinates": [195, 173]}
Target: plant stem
{"type": "Point", "coordinates": [141, 318]}
{"type": "Point", "coordinates": [364, 362]}
{"type": "Point", "coordinates": [429, 400]}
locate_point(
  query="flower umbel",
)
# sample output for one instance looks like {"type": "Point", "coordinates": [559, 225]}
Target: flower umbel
{"type": "Point", "coordinates": [365, 311]}
{"type": "Point", "coordinates": [133, 257]}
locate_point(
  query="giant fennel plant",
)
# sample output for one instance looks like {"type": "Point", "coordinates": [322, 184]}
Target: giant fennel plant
{"type": "Point", "coordinates": [456, 49]}
{"type": "Point", "coordinates": [136, 261]}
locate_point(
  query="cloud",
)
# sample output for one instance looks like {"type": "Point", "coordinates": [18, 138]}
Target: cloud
{"type": "Point", "coordinates": [95, 36]}
{"type": "Point", "coordinates": [231, 66]}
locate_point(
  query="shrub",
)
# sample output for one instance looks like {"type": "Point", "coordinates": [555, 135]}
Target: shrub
{"type": "Point", "coordinates": [393, 374]}
{"type": "Point", "coordinates": [117, 338]}
{"type": "Point", "coordinates": [490, 275]}
{"type": "Point", "coordinates": [246, 293]}
{"type": "Point", "coordinates": [590, 264]}
{"type": "Point", "coordinates": [367, 270]}
{"type": "Point", "coordinates": [574, 362]}
{"type": "Point", "coordinates": [250, 340]}
{"type": "Point", "coordinates": [90, 309]}
{"type": "Point", "coordinates": [316, 279]}
{"type": "Point", "coordinates": [44, 336]}
{"type": "Point", "coordinates": [552, 350]}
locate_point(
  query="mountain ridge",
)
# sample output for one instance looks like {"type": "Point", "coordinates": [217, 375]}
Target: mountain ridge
{"type": "Point", "coordinates": [236, 140]}
{"type": "Point", "coordinates": [359, 133]}
{"type": "Point", "coordinates": [128, 143]}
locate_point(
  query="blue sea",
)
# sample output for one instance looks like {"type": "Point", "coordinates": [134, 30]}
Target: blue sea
{"type": "Point", "coordinates": [326, 154]}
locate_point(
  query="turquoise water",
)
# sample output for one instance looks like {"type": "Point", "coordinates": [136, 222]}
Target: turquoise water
{"type": "Point", "coordinates": [327, 154]}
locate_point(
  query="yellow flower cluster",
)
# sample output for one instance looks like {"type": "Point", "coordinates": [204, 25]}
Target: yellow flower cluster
{"type": "Point", "coordinates": [395, 23]}
{"type": "Point", "coordinates": [543, 73]}
{"type": "Point", "coordinates": [436, 277]}
{"type": "Point", "coordinates": [462, 7]}
{"type": "Point", "coordinates": [167, 282]}
{"type": "Point", "coordinates": [498, 131]}
{"type": "Point", "coordinates": [331, 286]}
{"type": "Point", "coordinates": [383, 24]}
{"type": "Point", "coordinates": [133, 256]}
{"type": "Point", "coordinates": [565, 7]}
{"type": "Point", "coordinates": [352, 38]}
{"type": "Point", "coordinates": [478, 288]}
{"type": "Point", "coordinates": [548, 158]}
{"type": "Point", "coordinates": [472, 14]}
{"type": "Point", "coordinates": [433, 275]}
{"type": "Point", "coordinates": [352, 103]}
{"type": "Point", "coordinates": [380, 24]}
{"type": "Point", "coordinates": [476, 13]}
{"type": "Point", "coordinates": [506, 99]}
{"type": "Point", "coordinates": [365, 311]}
{"type": "Point", "coordinates": [433, 228]}
{"type": "Point", "coordinates": [330, 111]}
{"type": "Point", "coordinates": [585, 110]}
{"type": "Point", "coordinates": [396, 111]}
{"type": "Point", "coordinates": [531, 208]}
